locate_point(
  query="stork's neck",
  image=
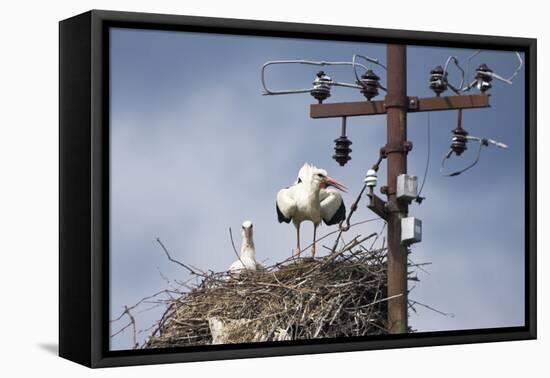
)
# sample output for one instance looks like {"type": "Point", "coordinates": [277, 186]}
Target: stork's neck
{"type": "Point", "coordinates": [247, 248]}
{"type": "Point", "coordinates": [312, 190]}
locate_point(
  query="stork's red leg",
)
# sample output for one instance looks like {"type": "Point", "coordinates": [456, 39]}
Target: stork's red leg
{"type": "Point", "coordinates": [298, 250]}
{"type": "Point", "coordinates": [314, 238]}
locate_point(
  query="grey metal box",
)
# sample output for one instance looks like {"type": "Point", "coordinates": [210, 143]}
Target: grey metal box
{"type": "Point", "coordinates": [407, 187]}
{"type": "Point", "coordinates": [411, 230]}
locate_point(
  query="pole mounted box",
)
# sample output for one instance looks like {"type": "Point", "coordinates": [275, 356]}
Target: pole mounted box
{"type": "Point", "coordinates": [411, 230]}
{"type": "Point", "coordinates": [407, 187]}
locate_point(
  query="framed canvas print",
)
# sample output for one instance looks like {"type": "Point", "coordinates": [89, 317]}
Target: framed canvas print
{"type": "Point", "coordinates": [234, 188]}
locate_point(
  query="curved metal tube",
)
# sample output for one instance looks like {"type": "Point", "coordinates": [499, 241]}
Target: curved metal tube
{"type": "Point", "coordinates": [519, 67]}
{"type": "Point", "coordinates": [308, 62]}
{"type": "Point", "coordinates": [456, 173]}
{"type": "Point", "coordinates": [492, 74]}
{"type": "Point", "coordinates": [468, 62]}
{"type": "Point", "coordinates": [482, 142]}
{"type": "Point", "coordinates": [368, 59]}
{"type": "Point", "coordinates": [454, 60]}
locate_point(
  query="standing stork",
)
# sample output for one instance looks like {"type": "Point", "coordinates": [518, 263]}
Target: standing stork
{"type": "Point", "coordinates": [310, 199]}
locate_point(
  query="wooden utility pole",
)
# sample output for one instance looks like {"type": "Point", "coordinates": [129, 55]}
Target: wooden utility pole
{"type": "Point", "coordinates": [396, 105]}
{"type": "Point", "coordinates": [396, 152]}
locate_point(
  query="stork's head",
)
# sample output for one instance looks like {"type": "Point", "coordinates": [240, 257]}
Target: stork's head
{"type": "Point", "coordinates": [318, 178]}
{"type": "Point", "coordinates": [247, 230]}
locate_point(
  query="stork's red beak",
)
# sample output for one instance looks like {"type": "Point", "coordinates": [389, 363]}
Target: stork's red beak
{"type": "Point", "coordinates": [329, 181]}
{"type": "Point", "coordinates": [248, 233]}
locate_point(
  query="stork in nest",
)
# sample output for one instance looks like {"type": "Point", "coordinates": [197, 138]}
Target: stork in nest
{"type": "Point", "coordinates": [310, 199]}
{"type": "Point", "coordinates": [247, 257]}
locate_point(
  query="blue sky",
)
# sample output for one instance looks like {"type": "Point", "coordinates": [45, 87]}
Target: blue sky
{"type": "Point", "coordinates": [196, 149]}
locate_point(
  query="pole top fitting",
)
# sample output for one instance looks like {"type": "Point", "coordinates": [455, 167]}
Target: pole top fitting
{"type": "Point", "coordinates": [402, 147]}
{"type": "Point", "coordinates": [396, 102]}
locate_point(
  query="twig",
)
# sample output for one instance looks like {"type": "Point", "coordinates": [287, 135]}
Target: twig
{"type": "Point", "coordinates": [176, 261]}
{"type": "Point", "coordinates": [419, 265]}
{"type": "Point", "coordinates": [132, 323]}
{"type": "Point", "coordinates": [337, 231]}
{"type": "Point", "coordinates": [121, 330]}
{"type": "Point", "coordinates": [233, 245]}
{"type": "Point", "coordinates": [412, 303]}
{"type": "Point", "coordinates": [140, 302]}
{"type": "Point", "coordinates": [355, 242]}
{"type": "Point", "coordinates": [378, 236]}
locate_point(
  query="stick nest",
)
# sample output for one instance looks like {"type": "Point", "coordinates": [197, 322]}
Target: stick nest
{"type": "Point", "coordinates": [339, 295]}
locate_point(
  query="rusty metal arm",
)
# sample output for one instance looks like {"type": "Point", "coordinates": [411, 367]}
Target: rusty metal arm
{"type": "Point", "coordinates": [362, 108]}
{"type": "Point", "coordinates": [378, 206]}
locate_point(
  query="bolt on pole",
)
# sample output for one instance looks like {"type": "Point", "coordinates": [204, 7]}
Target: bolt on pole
{"type": "Point", "coordinates": [397, 105]}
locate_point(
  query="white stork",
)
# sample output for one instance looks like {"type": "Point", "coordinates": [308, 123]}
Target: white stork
{"type": "Point", "coordinates": [247, 257]}
{"type": "Point", "coordinates": [309, 199]}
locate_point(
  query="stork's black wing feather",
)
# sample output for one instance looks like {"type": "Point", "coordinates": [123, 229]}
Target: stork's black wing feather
{"type": "Point", "coordinates": [339, 216]}
{"type": "Point", "coordinates": [281, 216]}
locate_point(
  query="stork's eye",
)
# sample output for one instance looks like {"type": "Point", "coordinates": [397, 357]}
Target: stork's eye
{"type": "Point", "coordinates": [299, 180]}
{"type": "Point", "coordinates": [320, 175]}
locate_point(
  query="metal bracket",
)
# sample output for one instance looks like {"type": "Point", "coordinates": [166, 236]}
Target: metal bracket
{"type": "Point", "coordinates": [402, 147]}
{"type": "Point", "coordinates": [413, 103]}
{"type": "Point", "coordinates": [396, 102]}
{"type": "Point", "coordinates": [378, 206]}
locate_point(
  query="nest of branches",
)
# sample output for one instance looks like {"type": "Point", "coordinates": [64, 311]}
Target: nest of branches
{"type": "Point", "coordinates": [339, 295]}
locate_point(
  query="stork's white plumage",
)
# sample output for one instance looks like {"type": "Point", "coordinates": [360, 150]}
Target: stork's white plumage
{"type": "Point", "coordinates": [247, 257]}
{"type": "Point", "coordinates": [309, 199]}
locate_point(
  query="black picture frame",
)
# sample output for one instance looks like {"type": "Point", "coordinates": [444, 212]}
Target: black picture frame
{"type": "Point", "coordinates": [84, 187]}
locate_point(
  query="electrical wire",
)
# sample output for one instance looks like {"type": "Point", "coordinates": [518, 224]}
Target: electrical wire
{"type": "Point", "coordinates": [311, 63]}
{"type": "Point", "coordinates": [507, 80]}
{"type": "Point", "coordinates": [482, 142]}
{"type": "Point", "coordinates": [471, 165]}
{"type": "Point", "coordinates": [354, 64]}
{"type": "Point", "coordinates": [454, 60]}
{"type": "Point", "coordinates": [428, 138]}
